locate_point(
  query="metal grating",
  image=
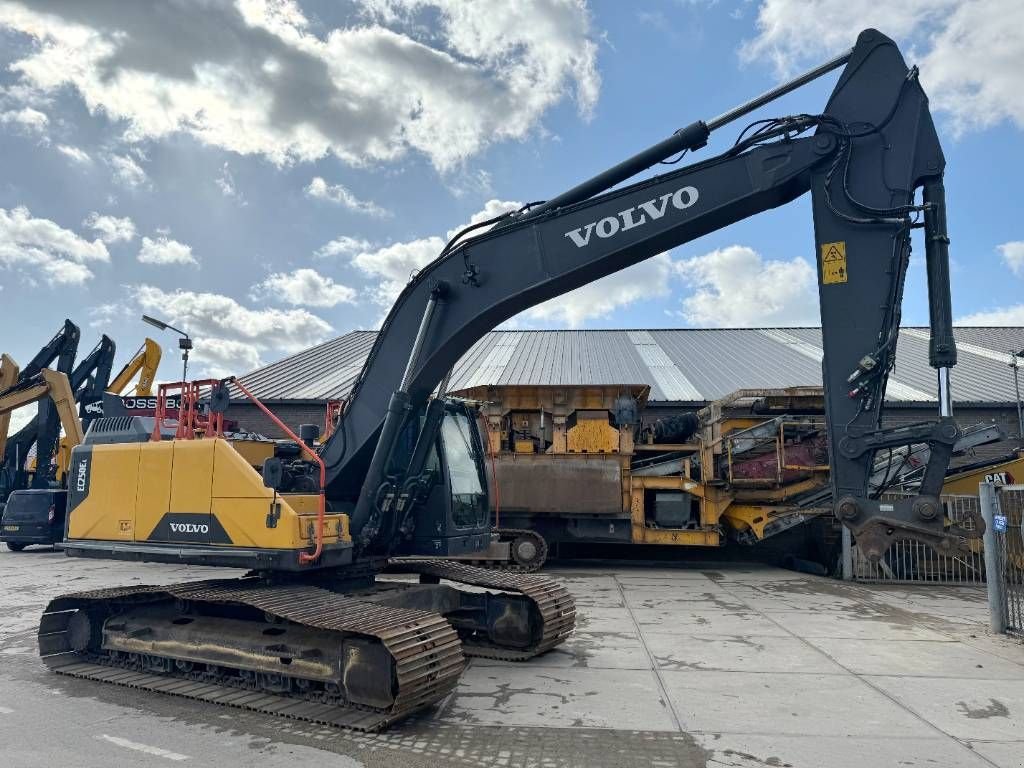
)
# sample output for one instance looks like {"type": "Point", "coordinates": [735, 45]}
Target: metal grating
{"type": "Point", "coordinates": [1011, 557]}
{"type": "Point", "coordinates": [910, 562]}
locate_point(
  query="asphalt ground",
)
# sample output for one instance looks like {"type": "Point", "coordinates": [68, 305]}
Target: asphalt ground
{"type": "Point", "coordinates": [728, 665]}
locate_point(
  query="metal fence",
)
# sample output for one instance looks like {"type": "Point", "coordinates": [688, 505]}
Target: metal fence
{"type": "Point", "coordinates": [910, 562]}
{"type": "Point", "coordinates": [1007, 596]}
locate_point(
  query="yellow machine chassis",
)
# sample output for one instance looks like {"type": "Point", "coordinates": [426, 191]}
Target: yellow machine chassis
{"type": "Point", "coordinates": [194, 501]}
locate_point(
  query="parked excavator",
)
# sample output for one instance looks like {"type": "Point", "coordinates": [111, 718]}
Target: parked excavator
{"type": "Point", "coordinates": [95, 398]}
{"type": "Point", "coordinates": [43, 430]}
{"type": "Point", "coordinates": [36, 515]}
{"type": "Point", "coordinates": [141, 367]}
{"type": "Point", "coordinates": [87, 380]}
{"type": "Point", "coordinates": [139, 401]}
{"type": "Point", "coordinates": [314, 632]}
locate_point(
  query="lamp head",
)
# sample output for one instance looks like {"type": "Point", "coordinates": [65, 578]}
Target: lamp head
{"type": "Point", "coordinates": [154, 322]}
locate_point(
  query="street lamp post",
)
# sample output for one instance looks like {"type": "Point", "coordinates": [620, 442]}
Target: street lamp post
{"type": "Point", "coordinates": [184, 344]}
{"type": "Point", "coordinates": [1015, 364]}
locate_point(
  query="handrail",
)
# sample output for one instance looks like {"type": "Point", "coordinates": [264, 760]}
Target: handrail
{"type": "Point", "coordinates": [304, 557]}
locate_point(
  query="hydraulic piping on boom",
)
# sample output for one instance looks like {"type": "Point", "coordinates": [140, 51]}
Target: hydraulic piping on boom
{"type": "Point", "coordinates": [403, 471]}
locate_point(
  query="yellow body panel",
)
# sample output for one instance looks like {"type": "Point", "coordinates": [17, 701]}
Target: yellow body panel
{"type": "Point", "coordinates": [234, 474]}
{"type": "Point", "coordinates": [135, 489]}
{"type": "Point", "coordinates": [255, 452]}
{"type": "Point", "coordinates": [113, 486]}
{"type": "Point", "coordinates": [1004, 473]}
{"type": "Point", "coordinates": [192, 476]}
{"type": "Point", "coordinates": [154, 490]}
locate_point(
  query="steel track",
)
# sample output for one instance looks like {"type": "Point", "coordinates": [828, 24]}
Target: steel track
{"type": "Point", "coordinates": [425, 649]}
{"type": "Point", "coordinates": [555, 605]}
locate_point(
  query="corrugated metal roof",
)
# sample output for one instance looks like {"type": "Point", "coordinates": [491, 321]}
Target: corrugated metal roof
{"type": "Point", "coordinates": [317, 373]}
{"type": "Point", "coordinates": [680, 365]}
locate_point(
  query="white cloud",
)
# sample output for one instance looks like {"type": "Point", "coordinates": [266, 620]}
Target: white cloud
{"type": "Point", "coordinates": [32, 245]}
{"type": "Point", "coordinates": [104, 315]}
{"type": "Point", "coordinates": [343, 246]}
{"type": "Point", "coordinates": [1012, 315]}
{"type": "Point", "coordinates": [74, 154]}
{"type": "Point", "coordinates": [164, 250]}
{"type": "Point", "coordinates": [111, 228]}
{"type": "Point", "coordinates": [229, 337]}
{"type": "Point", "coordinates": [127, 171]}
{"type": "Point", "coordinates": [255, 77]}
{"type": "Point", "coordinates": [394, 265]}
{"type": "Point", "coordinates": [224, 357]}
{"type": "Point", "coordinates": [735, 286]}
{"type": "Point", "coordinates": [975, 68]}
{"type": "Point", "coordinates": [601, 298]}
{"type": "Point", "coordinates": [792, 32]}
{"type": "Point", "coordinates": [226, 184]}
{"type": "Point", "coordinates": [303, 286]}
{"type": "Point", "coordinates": [27, 118]}
{"type": "Point", "coordinates": [20, 418]}
{"type": "Point", "coordinates": [971, 52]}
{"type": "Point", "coordinates": [336, 193]}
{"type": "Point", "coordinates": [1013, 256]}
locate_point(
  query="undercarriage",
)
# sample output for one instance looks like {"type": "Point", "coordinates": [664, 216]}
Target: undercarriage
{"type": "Point", "coordinates": [363, 658]}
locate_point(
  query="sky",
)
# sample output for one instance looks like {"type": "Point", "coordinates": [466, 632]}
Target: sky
{"type": "Point", "coordinates": [267, 174]}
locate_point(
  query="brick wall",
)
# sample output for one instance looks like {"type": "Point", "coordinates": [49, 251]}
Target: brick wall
{"type": "Point", "coordinates": [252, 419]}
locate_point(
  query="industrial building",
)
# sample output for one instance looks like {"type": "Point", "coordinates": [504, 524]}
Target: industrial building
{"type": "Point", "coordinates": [684, 368]}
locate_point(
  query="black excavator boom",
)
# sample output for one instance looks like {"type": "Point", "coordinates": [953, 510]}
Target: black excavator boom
{"type": "Point", "coordinates": [862, 159]}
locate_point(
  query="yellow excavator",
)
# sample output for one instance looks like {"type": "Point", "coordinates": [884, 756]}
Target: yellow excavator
{"type": "Point", "coordinates": [35, 515]}
{"type": "Point", "coordinates": [139, 400]}
{"type": "Point", "coordinates": [143, 365]}
{"type": "Point", "coordinates": [315, 632]}
{"type": "Point", "coordinates": [33, 519]}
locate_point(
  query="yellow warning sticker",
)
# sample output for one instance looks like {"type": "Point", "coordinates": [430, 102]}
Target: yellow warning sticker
{"type": "Point", "coordinates": [833, 263]}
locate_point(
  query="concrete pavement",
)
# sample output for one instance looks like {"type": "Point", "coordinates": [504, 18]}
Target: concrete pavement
{"type": "Point", "coordinates": [729, 666]}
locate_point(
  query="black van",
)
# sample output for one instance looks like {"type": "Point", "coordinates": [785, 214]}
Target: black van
{"type": "Point", "coordinates": [34, 516]}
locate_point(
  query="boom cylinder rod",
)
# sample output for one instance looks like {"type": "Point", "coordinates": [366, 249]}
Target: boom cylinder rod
{"type": "Point", "coordinates": [421, 335]}
{"type": "Point", "coordinates": [693, 136]}
{"type": "Point", "coordinates": [945, 394]}
{"type": "Point", "coordinates": [780, 90]}
{"type": "Point", "coordinates": [942, 344]}
{"type": "Point", "coordinates": [398, 407]}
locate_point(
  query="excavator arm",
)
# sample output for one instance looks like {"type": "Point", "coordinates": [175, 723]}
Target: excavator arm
{"type": "Point", "coordinates": [90, 377]}
{"type": "Point", "coordinates": [144, 364]}
{"type": "Point", "coordinates": [51, 385]}
{"type": "Point", "coordinates": [871, 149]}
{"type": "Point", "coordinates": [44, 428]}
{"type": "Point", "coordinates": [87, 381]}
{"type": "Point", "coordinates": [9, 372]}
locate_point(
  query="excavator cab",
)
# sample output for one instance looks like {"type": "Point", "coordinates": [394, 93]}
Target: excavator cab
{"type": "Point", "coordinates": [454, 518]}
